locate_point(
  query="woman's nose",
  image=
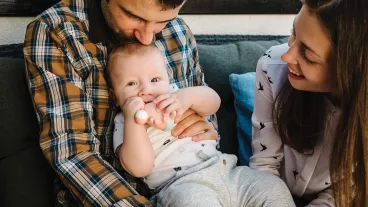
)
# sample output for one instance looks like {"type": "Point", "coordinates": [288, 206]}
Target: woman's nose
{"type": "Point", "coordinates": [290, 56]}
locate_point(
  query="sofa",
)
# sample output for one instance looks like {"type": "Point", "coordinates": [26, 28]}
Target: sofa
{"type": "Point", "coordinates": [25, 176]}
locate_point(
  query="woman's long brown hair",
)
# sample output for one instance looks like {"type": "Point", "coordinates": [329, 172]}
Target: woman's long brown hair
{"type": "Point", "coordinates": [300, 116]}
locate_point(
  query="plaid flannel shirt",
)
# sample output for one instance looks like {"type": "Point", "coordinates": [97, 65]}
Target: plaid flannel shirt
{"type": "Point", "coordinates": [65, 50]}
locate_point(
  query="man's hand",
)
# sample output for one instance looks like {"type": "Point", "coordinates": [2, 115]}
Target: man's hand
{"type": "Point", "coordinates": [191, 123]}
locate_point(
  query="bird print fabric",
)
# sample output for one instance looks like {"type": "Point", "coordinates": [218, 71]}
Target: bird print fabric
{"type": "Point", "coordinates": [304, 175]}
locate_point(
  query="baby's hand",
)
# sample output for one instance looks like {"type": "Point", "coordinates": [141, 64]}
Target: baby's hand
{"type": "Point", "coordinates": [131, 106]}
{"type": "Point", "coordinates": [168, 105]}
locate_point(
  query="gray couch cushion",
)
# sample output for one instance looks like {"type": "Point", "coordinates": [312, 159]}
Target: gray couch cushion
{"type": "Point", "coordinates": [18, 123]}
{"type": "Point", "coordinates": [26, 179]}
{"type": "Point", "coordinates": [24, 170]}
{"type": "Point", "coordinates": [218, 62]}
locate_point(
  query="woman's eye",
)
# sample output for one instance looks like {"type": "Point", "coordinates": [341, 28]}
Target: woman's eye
{"type": "Point", "coordinates": [308, 60]}
{"type": "Point", "coordinates": [302, 52]}
{"type": "Point", "coordinates": [154, 80]}
{"type": "Point", "coordinates": [132, 83]}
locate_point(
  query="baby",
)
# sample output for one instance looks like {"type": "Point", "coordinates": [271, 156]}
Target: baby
{"type": "Point", "coordinates": [180, 172]}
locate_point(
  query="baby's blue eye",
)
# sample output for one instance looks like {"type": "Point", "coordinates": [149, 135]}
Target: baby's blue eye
{"type": "Point", "coordinates": [132, 83]}
{"type": "Point", "coordinates": [154, 80]}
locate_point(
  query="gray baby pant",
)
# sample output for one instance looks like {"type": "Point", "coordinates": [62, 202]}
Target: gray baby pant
{"type": "Point", "coordinates": [219, 182]}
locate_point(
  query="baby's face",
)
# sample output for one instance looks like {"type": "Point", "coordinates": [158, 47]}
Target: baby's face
{"type": "Point", "coordinates": [144, 76]}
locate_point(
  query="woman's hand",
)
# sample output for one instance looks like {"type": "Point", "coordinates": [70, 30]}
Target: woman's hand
{"type": "Point", "coordinates": [191, 124]}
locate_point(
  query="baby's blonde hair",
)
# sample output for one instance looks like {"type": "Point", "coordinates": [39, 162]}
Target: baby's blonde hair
{"type": "Point", "coordinates": [130, 50]}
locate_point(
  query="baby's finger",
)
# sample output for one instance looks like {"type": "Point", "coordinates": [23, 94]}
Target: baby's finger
{"type": "Point", "coordinates": [151, 121]}
{"type": "Point", "coordinates": [134, 103]}
{"type": "Point", "coordinates": [162, 97]}
{"type": "Point", "coordinates": [173, 115]}
{"type": "Point", "coordinates": [170, 108]}
{"type": "Point", "coordinates": [165, 103]}
{"type": "Point", "coordinates": [165, 119]}
{"type": "Point", "coordinates": [139, 104]}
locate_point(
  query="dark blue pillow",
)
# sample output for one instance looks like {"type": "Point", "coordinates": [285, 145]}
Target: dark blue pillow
{"type": "Point", "coordinates": [243, 89]}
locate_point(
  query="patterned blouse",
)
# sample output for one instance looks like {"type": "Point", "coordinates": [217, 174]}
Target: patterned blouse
{"type": "Point", "coordinates": [306, 176]}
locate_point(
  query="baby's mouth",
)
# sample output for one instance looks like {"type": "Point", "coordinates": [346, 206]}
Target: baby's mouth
{"type": "Point", "coordinates": [148, 99]}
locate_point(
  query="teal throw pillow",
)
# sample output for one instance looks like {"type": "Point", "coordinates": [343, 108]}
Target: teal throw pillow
{"type": "Point", "coordinates": [243, 89]}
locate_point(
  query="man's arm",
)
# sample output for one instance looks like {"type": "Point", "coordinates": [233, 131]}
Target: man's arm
{"type": "Point", "coordinates": [199, 78]}
{"type": "Point", "coordinates": [67, 128]}
{"type": "Point", "coordinates": [193, 123]}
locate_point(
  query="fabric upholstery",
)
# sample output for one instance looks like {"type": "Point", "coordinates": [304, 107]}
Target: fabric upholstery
{"type": "Point", "coordinates": [218, 62]}
{"type": "Point", "coordinates": [24, 170]}
{"type": "Point", "coordinates": [243, 89]}
{"type": "Point", "coordinates": [18, 123]}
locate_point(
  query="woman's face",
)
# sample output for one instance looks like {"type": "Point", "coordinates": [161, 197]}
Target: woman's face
{"type": "Point", "coordinates": [308, 55]}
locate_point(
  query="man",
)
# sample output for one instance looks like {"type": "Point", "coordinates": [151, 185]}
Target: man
{"type": "Point", "coordinates": [66, 49]}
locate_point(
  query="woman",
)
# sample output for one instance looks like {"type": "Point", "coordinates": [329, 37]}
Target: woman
{"type": "Point", "coordinates": [310, 121]}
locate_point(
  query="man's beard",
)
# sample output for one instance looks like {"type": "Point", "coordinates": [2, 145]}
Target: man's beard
{"type": "Point", "coordinates": [119, 37]}
{"type": "Point", "coordinates": [122, 38]}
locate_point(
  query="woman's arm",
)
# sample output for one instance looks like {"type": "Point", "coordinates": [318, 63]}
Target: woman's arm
{"type": "Point", "coordinates": [324, 199]}
{"type": "Point", "coordinates": [266, 144]}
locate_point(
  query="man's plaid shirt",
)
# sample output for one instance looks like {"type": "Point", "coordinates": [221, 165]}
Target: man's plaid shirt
{"type": "Point", "coordinates": [65, 50]}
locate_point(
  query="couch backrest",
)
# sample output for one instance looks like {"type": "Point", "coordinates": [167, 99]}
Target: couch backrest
{"type": "Point", "coordinates": [25, 173]}
{"type": "Point", "coordinates": [18, 122]}
{"type": "Point", "coordinates": [218, 62]}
